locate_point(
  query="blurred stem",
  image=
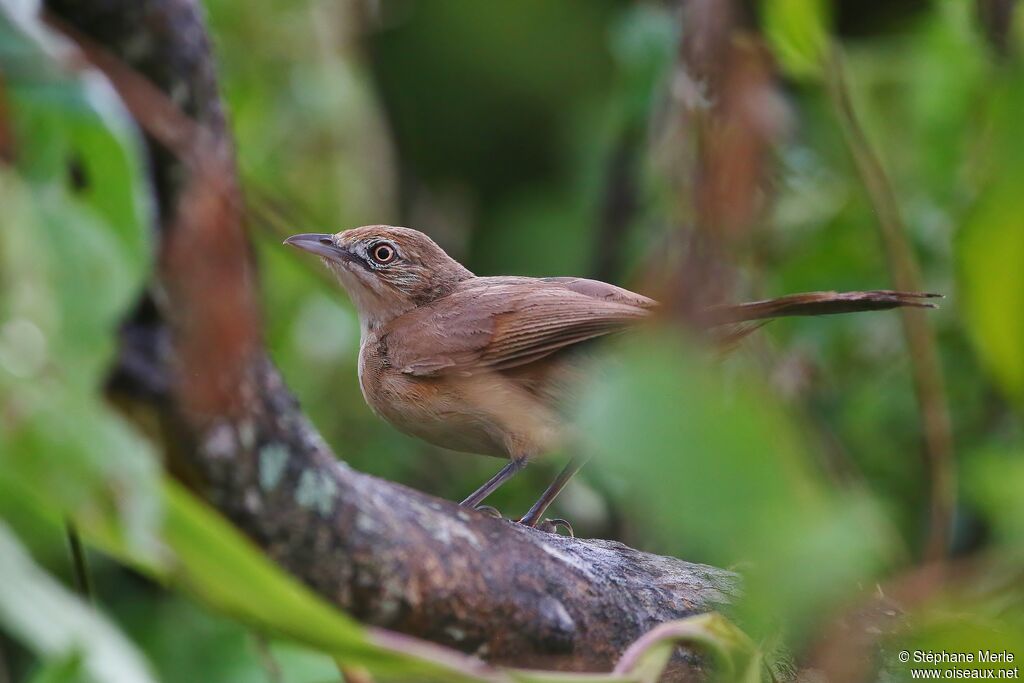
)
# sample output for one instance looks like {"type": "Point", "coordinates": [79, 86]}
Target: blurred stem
{"type": "Point", "coordinates": [354, 674]}
{"type": "Point", "coordinates": [79, 565]}
{"type": "Point", "coordinates": [929, 385]}
{"type": "Point", "coordinates": [619, 203]}
{"type": "Point", "coordinates": [5, 674]}
{"type": "Point", "coordinates": [996, 18]}
{"type": "Point", "coordinates": [267, 661]}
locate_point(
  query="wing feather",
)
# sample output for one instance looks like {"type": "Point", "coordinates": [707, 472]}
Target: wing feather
{"type": "Point", "coordinates": [494, 324]}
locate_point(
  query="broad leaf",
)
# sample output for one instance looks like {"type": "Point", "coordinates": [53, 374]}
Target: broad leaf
{"type": "Point", "coordinates": [56, 624]}
{"type": "Point", "coordinates": [73, 254]}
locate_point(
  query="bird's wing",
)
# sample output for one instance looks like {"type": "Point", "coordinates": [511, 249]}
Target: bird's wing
{"type": "Point", "coordinates": [501, 323]}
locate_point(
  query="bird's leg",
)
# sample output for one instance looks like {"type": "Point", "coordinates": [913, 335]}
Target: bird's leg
{"type": "Point", "coordinates": [533, 515]}
{"type": "Point", "coordinates": [492, 484]}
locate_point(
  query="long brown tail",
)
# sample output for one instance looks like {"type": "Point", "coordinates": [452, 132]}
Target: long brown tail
{"type": "Point", "coordinates": [818, 303]}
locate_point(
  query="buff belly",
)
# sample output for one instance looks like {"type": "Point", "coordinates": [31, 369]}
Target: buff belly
{"type": "Point", "coordinates": [487, 414]}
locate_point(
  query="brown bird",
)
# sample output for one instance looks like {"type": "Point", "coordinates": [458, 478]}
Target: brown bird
{"type": "Point", "coordinates": [483, 364]}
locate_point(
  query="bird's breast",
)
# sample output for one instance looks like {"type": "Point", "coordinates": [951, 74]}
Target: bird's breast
{"type": "Point", "coordinates": [488, 413]}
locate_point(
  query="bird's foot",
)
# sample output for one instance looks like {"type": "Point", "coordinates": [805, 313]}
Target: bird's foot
{"type": "Point", "coordinates": [552, 526]}
{"type": "Point", "coordinates": [489, 510]}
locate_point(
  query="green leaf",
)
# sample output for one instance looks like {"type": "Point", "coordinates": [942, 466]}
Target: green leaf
{"type": "Point", "coordinates": [994, 481]}
{"type": "Point", "coordinates": [67, 670]}
{"type": "Point", "coordinates": [73, 255]}
{"type": "Point", "coordinates": [213, 562]}
{"type": "Point", "coordinates": [720, 473]}
{"type": "Point", "coordinates": [735, 656]}
{"type": "Point", "coordinates": [55, 623]}
{"type": "Point", "coordinates": [797, 31]}
{"type": "Point", "coordinates": [990, 248]}
{"type": "Point", "coordinates": [970, 622]}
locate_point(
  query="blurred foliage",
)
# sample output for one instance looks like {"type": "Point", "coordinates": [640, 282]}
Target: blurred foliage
{"type": "Point", "coordinates": [58, 624]}
{"type": "Point", "coordinates": [991, 243]}
{"type": "Point", "coordinates": [798, 32]}
{"type": "Point", "coordinates": [502, 130]}
{"type": "Point", "coordinates": [732, 481]}
{"type": "Point", "coordinates": [73, 253]}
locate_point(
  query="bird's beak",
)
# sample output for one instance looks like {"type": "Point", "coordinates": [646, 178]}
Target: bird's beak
{"type": "Point", "coordinates": [318, 243]}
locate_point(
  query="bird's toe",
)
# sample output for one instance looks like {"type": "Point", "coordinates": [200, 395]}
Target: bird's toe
{"type": "Point", "coordinates": [490, 511]}
{"type": "Point", "coordinates": [552, 526]}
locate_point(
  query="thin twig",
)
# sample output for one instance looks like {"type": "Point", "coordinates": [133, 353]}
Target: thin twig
{"type": "Point", "coordinates": [79, 565]}
{"type": "Point", "coordinates": [619, 204]}
{"type": "Point", "coordinates": [929, 385]}
{"type": "Point", "coordinates": [267, 660]}
{"type": "Point", "coordinates": [6, 128]}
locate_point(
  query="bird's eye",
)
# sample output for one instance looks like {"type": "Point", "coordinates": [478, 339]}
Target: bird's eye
{"type": "Point", "coordinates": [383, 254]}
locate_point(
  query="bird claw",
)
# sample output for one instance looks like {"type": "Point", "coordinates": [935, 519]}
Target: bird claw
{"type": "Point", "coordinates": [489, 510]}
{"type": "Point", "coordinates": [552, 526]}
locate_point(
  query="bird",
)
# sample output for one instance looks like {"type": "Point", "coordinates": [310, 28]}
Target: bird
{"type": "Point", "coordinates": [485, 365]}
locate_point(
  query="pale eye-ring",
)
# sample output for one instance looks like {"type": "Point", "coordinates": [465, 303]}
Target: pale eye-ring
{"type": "Point", "coordinates": [383, 254]}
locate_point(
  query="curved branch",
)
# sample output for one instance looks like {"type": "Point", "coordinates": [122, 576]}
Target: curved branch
{"type": "Point", "coordinates": [393, 557]}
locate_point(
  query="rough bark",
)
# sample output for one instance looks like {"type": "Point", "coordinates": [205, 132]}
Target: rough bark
{"type": "Point", "coordinates": [391, 556]}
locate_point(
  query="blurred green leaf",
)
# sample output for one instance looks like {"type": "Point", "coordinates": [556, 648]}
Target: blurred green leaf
{"type": "Point", "coordinates": [719, 472]}
{"type": "Point", "coordinates": [73, 254]}
{"type": "Point", "coordinates": [797, 31]}
{"type": "Point", "coordinates": [214, 562]}
{"type": "Point", "coordinates": [735, 656]}
{"type": "Point", "coordinates": [994, 481]}
{"type": "Point", "coordinates": [67, 670]}
{"type": "Point", "coordinates": [56, 624]}
{"type": "Point", "coordinates": [990, 248]}
{"type": "Point", "coordinates": [960, 624]}
{"type": "Point", "coordinates": [74, 135]}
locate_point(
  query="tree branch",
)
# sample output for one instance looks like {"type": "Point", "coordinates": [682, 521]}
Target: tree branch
{"type": "Point", "coordinates": [391, 556]}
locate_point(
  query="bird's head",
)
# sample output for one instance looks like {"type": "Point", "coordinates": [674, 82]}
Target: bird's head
{"type": "Point", "coordinates": [387, 271]}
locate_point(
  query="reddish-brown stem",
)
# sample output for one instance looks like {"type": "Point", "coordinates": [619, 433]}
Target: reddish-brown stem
{"type": "Point", "coordinates": [929, 384]}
